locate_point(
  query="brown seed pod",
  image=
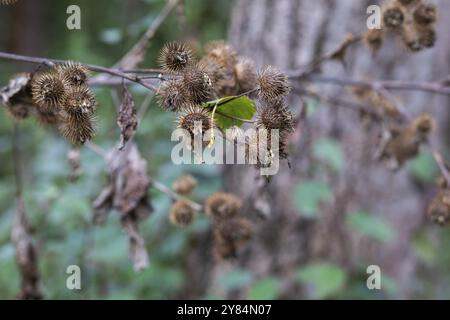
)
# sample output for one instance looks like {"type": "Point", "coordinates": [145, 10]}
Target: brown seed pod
{"type": "Point", "coordinates": [171, 96]}
{"type": "Point", "coordinates": [184, 185]}
{"type": "Point", "coordinates": [74, 73]}
{"type": "Point", "coordinates": [425, 14]}
{"type": "Point", "coordinates": [272, 84]}
{"type": "Point", "coordinates": [423, 125]}
{"type": "Point", "coordinates": [223, 53]}
{"type": "Point", "coordinates": [374, 39]}
{"type": "Point", "coordinates": [275, 116]}
{"type": "Point", "coordinates": [192, 116]}
{"type": "Point", "coordinates": [48, 91]}
{"type": "Point", "coordinates": [80, 99]}
{"type": "Point", "coordinates": [246, 76]}
{"type": "Point", "coordinates": [175, 57]}
{"type": "Point", "coordinates": [181, 213]}
{"type": "Point", "coordinates": [197, 84]}
{"type": "Point", "coordinates": [438, 210]}
{"type": "Point", "coordinates": [427, 37]}
{"type": "Point", "coordinates": [236, 231]}
{"type": "Point", "coordinates": [77, 127]}
{"type": "Point", "coordinates": [393, 17]}
{"type": "Point", "coordinates": [217, 73]}
{"type": "Point", "coordinates": [222, 205]}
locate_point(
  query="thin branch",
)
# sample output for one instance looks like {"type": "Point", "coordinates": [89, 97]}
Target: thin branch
{"type": "Point", "coordinates": [95, 68]}
{"type": "Point", "coordinates": [175, 196]}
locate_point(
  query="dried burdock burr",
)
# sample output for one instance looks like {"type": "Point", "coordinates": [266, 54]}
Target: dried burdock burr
{"type": "Point", "coordinates": [245, 73]}
{"type": "Point", "coordinates": [425, 14]}
{"type": "Point", "coordinates": [74, 73]}
{"type": "Point", "coordinates": [184, 185]}
{"type": "Point", "coordinates": [196, 121]}
{"type": "Point", "coordinates": [222, 205]}
{"type": "Point", "coordinates": [171, 96]}
{"type": "Point", "coordinates": [48, 90]}
{"type": "Point", "coordinates": [411, 38]}
{"type": "Point", "coordinates": [175, 57]}
{"type": "Point", "coordinates": [181, 213]}
{"type": "Point", "coordinates": [438, 210]}
{"type": "Point", "coordinates": [48, 118]}
{"type": "Point", "coordinates": [275, 116]}
{"type": "Point", "coordinates": [427, 36]}
{"type": "Point", "coordinates": [77, 127]}
{"type": "Point", "coordinates": [197, 84]}
{"type": "Point", "coordinates": [223, 53]}
{"type": "Point", "coordinates": [80, 99]}
{"type": "Point", "coordinates": [230, 236]}
{"type": "Point", "coordinates": [393, 17]}
{"type": "Point", "coordinates": [407, 2]}
{"type": "Point", "coordinates": [272, 84]}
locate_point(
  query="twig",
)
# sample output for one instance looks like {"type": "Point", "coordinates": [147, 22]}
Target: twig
{"type": "Point", "coordinates": [95, 68]}
{"type": "Point", "coordinates": [441, 164]}
{"type": "Point", "coordinates": [175, 196]}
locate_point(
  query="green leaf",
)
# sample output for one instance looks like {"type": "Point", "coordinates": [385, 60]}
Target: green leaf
{"type": "Point", "coordinates": [265, 289]}
{"type": "Point", "coordinates": [424, 168]}
{"type": "Point", "coordinates": [242, 108]}
{"type": "Point", "coordinates": [308, 195]}
{"type": "Point", "coordinates": [371, 226]}
{"type": "Point", "coordinates": [330, 152]}
{"type": "Point", "coordinates": [326, 279]}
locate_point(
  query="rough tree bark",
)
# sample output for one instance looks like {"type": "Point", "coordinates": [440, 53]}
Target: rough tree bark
{"type": "Point", "coordinates": [288, 34]}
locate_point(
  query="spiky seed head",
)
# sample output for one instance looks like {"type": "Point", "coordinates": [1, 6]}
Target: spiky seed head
{"type": "Point", "coordinates": [197, 84]}
{"type": "Point", "coordinates": [74, 73]}
{"type": "Point", "coordinates": [427, 37]}
{"type": "Point", "coordinates": [438, 210]}
{"type": "Point", "coordinates": [181, 213]}
{"type": "Point", "coordinates": [175, 57]}
{"type": "Point", "coordinates": [423, 125]}
{"type": "Point", "coordinates": [425, 14]}
{"type": "Point", "coordinates": [171, 96]}
{"type": "Point", "coordinates": [215, 70]}
{"type": "Point", "coordinates": [374, 39]}
{"type": "Point", "coordinates": [222, 205]}
{"type": "Point", "coordinates": [393, 17]}
{"type": "Point", "coordinates": [272, 84]}
{"type": "Point", "coordinates": [275, 116]}
{"type": "Point", "coordinates": [184, 185]}
{"type": "Point", "coordinates": [246, 76]}
{"type": "Point", "coordinates": [223, 53]}
{"type": "Point", "coordinates": [48, 91]}
{"type": "Point", "coordinates": [80, 99]}
{"type": "Point", "coordinates": [236, 231]}
{"type": "Point", "coordinates": [196, 121]}
{"type": "Point", "coordinates": [78, 128]}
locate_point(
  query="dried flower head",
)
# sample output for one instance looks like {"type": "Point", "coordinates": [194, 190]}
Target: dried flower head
{"type": "Point", "coordinates": [181, 213]}
{"type": "Point", "coordinates": [423, 125]}
{"type": "Point", "coordinates": [175, 57]}
{"type": "Point", "coordinates": [196, 121]}
{"type": "Point", "coordinates": [411, 38]}
{"type": "Point", "coordinates": [223, 53]}
{"type": "Point", "coordinates": [275, 116]}
{"type": "Point", "coordinates": [393, 17]}
{"type": "Point", "coordinates": [48, 118]}
{"type": "Point", "coordinates": [197, 84]}
{"type": "Point", "coordinates": [222, 205]}
{"type": "Point", "coordinates": [184, 185]}
{"type": "Point", "coordinates": [230, 236]}
{"type": "Point", "coordinates": [438, 210]}
{"type": "Point", "coordinates": [425, 14]}
{"type": "Point", "coordinates": [374, 39]}
{"type": "Point", "coordinates": [427, 37]}
{"type": "Point", "coordinates": [272, 84]}
{"type": "Point", "coordinates": [77, 127]}
{"type": "Point", "coordinates": [48, 90]}
{"type": "Point", "coordinates": [74, 73]}
{"type": "Point", "coordinates": [407, 2]}
{"type": "Point", "coordinates": [246, 76]}
{"type": "Point", "coordinates": [80, 99]}
{"type": "Point", "coordinates": [171, 96]}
